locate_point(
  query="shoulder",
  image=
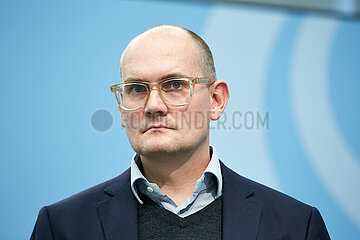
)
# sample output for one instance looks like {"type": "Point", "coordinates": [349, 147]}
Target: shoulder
{"type": "Point", "coordinates": [79, 212]}
{"type": "Point", "coordinates": [91, 196]}
{"type": "Point", "coordinates": [268, 198]}
{"type": "Point", "coordinates": [288, 216]}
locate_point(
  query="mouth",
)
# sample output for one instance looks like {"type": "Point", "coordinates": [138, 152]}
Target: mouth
{"type": "Point", "coordinates": [157, 127]}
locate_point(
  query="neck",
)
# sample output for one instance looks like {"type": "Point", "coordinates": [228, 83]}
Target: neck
{"type": "Point", "coordinates": [177, 174]}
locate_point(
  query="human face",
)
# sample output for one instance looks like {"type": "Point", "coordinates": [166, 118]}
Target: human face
{"type": "Point", "coordinates": [159, 129]}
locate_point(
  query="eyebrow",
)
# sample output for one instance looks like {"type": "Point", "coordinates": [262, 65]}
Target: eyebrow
{"type": "Point", "coordinates": [173, 75]}
{"type": "Point", "coordinates": [167, 76]}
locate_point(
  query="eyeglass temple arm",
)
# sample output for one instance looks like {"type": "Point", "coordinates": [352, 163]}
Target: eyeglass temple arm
{"type": "Point", "coordinates": [204, 80]}
{"type": "Point", "coordinates": [113, 90]}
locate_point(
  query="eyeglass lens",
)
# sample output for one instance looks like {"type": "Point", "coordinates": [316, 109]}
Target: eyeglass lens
{"type": "Point", "coordinates": [175, 92]}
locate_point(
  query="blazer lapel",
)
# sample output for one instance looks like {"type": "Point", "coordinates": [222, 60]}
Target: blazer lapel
{"type": "Point", "coordinates": [241, 214]}
{"type": "Point", "coordinates": [118, 213]}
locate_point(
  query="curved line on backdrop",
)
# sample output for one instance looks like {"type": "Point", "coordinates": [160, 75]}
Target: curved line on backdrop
{"type": "Point", "coordinates": [244, 65]}
{"type": "Point", "coordinates": [331, 158]}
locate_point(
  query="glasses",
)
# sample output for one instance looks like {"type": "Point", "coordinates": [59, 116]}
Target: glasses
{"type": "Point", "coordinates": [175, 92]}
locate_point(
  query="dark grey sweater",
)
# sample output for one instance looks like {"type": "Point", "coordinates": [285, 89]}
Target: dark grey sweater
{"type": "Point", "coordinates": [155, 222]}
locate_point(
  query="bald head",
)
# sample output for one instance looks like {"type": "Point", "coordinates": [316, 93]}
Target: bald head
{"type": "Point", "coordinates": [174, 33]}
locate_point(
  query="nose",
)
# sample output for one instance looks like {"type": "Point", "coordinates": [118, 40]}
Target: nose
{"type": "Point", "coordinates": [155, 106]}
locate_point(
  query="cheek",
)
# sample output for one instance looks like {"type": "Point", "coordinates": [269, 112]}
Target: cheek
{"type": "Point", "coordinates": [196, 116]}
{"type": "Point", "coordinates": [132, 120]}
{"type": "Point", "coordinates": [193, 121]}
{"type": "Point", "coordinates": [200, 109]}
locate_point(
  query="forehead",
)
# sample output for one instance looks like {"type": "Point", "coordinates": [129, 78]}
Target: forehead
{"type": "Point", "coordinates": [155, 54]}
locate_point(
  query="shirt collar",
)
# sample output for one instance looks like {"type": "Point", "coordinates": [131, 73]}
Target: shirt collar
{"type": "Point", "coordinates": [135, 174]}
{"type": "Point", "coordinates": [213, 168]}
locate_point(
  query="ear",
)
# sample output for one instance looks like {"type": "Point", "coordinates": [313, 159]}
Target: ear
{"type": "Point", "coordinates": [122, 116]}
{"type": "Point", "coordinates": [219, 97]}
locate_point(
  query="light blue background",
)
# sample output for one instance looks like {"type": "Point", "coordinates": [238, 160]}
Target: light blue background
{"type": "Point", "coordinates": [58, 59]}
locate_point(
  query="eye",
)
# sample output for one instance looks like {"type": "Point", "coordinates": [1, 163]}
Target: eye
{"type": "Point", "coordinates": [138, 88]}
{"type": "Point", "coordinates": [134, 88]}
{"type": "Point", "coordinates": [176, 84]}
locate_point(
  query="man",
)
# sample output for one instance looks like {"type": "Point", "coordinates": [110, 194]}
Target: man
{"type": "Point", "coordinates": [176, 188]}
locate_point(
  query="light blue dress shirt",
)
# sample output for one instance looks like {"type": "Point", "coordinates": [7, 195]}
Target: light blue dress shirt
{"type": "Point", "coordinates": [207, 188]}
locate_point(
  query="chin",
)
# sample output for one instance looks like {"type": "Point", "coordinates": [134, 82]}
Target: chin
{"type": "Point", "coordinates": [159, 147]}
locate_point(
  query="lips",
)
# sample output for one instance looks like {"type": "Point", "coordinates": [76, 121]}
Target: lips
{"type": "Point", "coordinates": [157, 126]}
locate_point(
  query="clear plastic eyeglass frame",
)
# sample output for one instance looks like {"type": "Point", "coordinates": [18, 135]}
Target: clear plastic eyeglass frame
{"type": "Point", "coordinates": [192, 81]}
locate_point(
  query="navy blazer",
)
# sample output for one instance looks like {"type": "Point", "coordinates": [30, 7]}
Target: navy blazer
{"type": "Point", "coordinates": [109, 211]}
